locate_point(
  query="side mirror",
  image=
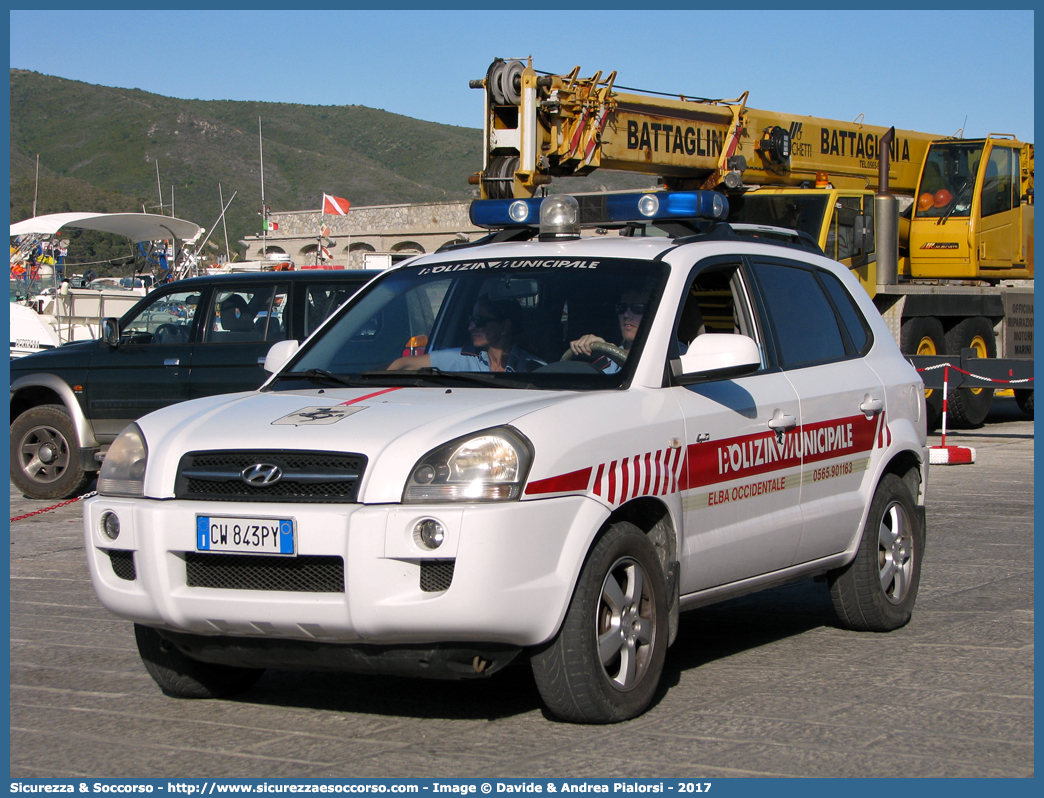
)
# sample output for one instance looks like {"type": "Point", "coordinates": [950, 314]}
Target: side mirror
{"type": "Point", "coordinates": [279, 355]}
{"type": "Point", "coordinates": [864, 235]}
{"type": "Point", "coordinates": [110, 331]}
{"type": "Point", "coordinates": [719, 356]}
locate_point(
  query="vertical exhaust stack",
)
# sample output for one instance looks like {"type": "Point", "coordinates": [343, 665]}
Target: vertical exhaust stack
{"type": "Point", "coordinates": [886, 214]}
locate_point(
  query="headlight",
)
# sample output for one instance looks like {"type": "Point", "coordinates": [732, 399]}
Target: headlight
{"type": "Point", "coordinates": [488, 466]}
{"type": "Point", "coordinates": [123, 471]}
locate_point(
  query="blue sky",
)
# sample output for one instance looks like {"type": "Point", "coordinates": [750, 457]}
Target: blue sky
{"type": "Point", "coordinates": [918, 70]}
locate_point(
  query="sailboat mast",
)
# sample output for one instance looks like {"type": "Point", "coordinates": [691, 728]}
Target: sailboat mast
{"type": "Point", "coordinates": [228, 256]}
{"type": "Point", "coordinates": [159, 188]}
{"type": "Point", "coordinates": [264, 208]}
{"type": "Point", "coordinates": [36, 189]}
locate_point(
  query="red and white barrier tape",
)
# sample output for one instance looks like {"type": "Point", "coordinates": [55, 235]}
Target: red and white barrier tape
{"type": "Point", "coordinates": [955, 455]}
{"type": "Point", "coordinates": [55, 506]}
{"type": "Point", "coordinates": [976, 376]}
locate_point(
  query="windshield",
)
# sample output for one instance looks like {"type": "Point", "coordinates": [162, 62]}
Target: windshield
{"type": "Point", "coordinates": [948, 180]}
{"type": "Point", "coordinates": [506, 323]}
{"type": "Point", "coordinates": [22, 289]}
{"type": "Point", "coordinates": [790, 211]}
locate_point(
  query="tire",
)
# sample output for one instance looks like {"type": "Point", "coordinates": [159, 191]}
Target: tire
{"type": "Point", "coordinates": [876, 592]}
{"type": "Point", "coordinates": [45, 454]}
{"type": "Point", "coordinates": [924, 335]}
{"type": "Point", "coordinates": [184, 677]}
{"type": "Point", "coordinates": [968, 407]}
{"type": "Point", "coordinates": [1024, 399]}
{"type": "Point", "coordinates": [620, 600]}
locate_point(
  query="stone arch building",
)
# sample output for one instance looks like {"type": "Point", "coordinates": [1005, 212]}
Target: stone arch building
{"type": "Point", "coordinates": [369, 235]}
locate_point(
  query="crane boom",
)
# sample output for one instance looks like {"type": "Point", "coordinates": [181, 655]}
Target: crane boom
{"type": "Point", "coordinates": [564, 125]}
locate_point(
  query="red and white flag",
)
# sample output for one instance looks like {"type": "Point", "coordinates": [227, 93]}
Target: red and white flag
{"type": "Point", "coordinates": [338, 206]}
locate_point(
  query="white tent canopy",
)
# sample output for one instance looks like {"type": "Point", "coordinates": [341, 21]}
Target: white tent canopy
{"type": "Point", "coordinates": [135, 226]}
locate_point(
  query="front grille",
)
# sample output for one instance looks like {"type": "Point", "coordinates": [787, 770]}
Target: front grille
{"type": "Point", "coordinates": [436, 575]}
{"type": "Point", "coordinates": [308, 574]}
{"type": "Point", "coordinates": [306, 476]}
{"type": "Point", "coordinates": [123, 564]}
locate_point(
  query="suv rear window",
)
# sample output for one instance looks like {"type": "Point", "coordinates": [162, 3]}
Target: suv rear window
{"type": "Point", "coordinates": [804, 325]}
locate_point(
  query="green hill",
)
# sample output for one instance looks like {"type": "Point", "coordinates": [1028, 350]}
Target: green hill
{"type": "Point", "coordinates": [98, 149]}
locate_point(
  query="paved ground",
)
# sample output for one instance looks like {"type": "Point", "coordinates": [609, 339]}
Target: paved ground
{"type": "Point", "coordinates": [762, 686]}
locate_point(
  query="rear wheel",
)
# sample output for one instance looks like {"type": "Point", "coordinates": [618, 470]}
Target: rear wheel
{"type": "Point", "coordinates": [184, 677]}
{"type": "Point", "coordinates": [605, 663]}
{"type": "Point", "coordinates": [45, 454]}
{"type": "Point", "coordinates": [968, 407]}
{"type": "Point", "coordinates": [876, 592]}
{"type": "Point", "coordinates": [924, 335]}
{"type": "Point", "coordinates": [1024, 399]}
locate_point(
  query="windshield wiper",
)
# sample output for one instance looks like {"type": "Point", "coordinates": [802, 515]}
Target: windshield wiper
{"type": "Point", "coordinates": [467, 376]}
{"type": "Point", "coordinates": [316, 375]}
{"type": "Point", "coordinates": [434, 374]}
{"type": "Point", "coordinates": [959, 196]}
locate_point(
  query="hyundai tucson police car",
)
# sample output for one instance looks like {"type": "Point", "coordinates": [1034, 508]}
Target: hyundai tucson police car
{"type": "Point", "coordinates": [376, 505]}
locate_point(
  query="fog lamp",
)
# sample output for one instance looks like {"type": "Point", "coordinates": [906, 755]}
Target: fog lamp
{"type": "Point", "coordinates": [110, 525]}
{"type": "Point", "coordinates": [429, 533]}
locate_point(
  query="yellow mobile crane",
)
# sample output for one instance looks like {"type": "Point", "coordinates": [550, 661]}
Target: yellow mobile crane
{"type": "Point", "coordinates": [939, 230]}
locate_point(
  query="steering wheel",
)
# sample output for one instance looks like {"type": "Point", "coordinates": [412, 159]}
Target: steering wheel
{"type": "Point", "coordinates": [167, 334]}
{"type": "Point", "coordinates": [612, 351]}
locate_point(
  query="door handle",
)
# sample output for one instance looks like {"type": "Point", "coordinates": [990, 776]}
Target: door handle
{"type": "Point", "coordinates": [171, 361]}
{"type": "Point", "coordinates": [781, 421]}
{"type": "Point", "coordinates": [871, 405]}
{"type": "Point", "coordinates": [261, 360]}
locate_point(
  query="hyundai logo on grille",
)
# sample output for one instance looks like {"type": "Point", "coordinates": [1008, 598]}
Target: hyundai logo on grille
{"type": "Point", "coordinates": [260, 474]}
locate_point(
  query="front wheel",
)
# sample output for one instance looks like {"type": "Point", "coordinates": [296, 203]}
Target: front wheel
{"type": "Point", "coordinates": [45, 454]}
{"type": "Point", "coordinates": [876, 592]}
{"type": "Point", "coordinates": [604, 665]}
{"type": "Point", "coordinates": [184, 677]}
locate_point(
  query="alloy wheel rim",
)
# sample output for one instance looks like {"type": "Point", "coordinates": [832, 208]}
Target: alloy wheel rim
{"type": "Point", "coordinates": [626, 624]}
{"type": "Point", "coordinates": [44, 453]}
{"type": "Point", "coordinates": [895, 553]}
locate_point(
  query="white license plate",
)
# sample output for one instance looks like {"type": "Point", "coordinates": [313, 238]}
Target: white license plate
{"type": "Point", "coordinates": [245, 535]}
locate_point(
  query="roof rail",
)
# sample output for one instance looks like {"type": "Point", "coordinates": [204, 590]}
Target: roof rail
{"type": "Point", "coordinates": [497, 236]}
{"type": "Point", "coordinates": [723, 231]}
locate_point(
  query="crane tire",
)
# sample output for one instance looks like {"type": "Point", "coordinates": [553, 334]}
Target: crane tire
{"type": "Point", "coordinates": [967, 408]}
{"type": "Point", "coordinates": [1024, 399]}
{"type": "Point", "coordinates": [924, 335]}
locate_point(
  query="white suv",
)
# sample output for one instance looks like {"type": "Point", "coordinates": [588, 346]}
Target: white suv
{"type": "Point", "coordinates": [547, 444]}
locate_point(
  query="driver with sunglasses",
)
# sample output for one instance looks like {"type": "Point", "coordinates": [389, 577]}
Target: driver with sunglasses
{"type": "Point", "coordinates": [493, 326]}
{"type": "Point", "coordinates": [629, 312]}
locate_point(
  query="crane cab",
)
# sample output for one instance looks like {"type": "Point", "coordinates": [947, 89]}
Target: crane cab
{"type": "Point", "coordinates": [973, 213]}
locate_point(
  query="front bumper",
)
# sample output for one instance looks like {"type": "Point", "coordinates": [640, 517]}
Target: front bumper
{"type": "Point", "coordinates": [514, 566]}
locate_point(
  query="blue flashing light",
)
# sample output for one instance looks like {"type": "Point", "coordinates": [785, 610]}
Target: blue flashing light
{"type": "Point", "coordinates": [662, 205]}
{"type": "Point", "coordinates": [498, 213]}
{"type": "Point", "coordinates": [604, 209]}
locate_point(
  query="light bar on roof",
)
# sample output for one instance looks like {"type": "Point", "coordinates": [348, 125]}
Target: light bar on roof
{"type": "Point", "coordinates": [606, 209]}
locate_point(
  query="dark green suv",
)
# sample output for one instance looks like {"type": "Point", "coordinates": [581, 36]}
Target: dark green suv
{"type": "Point", "coordinates": [191, 338]}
